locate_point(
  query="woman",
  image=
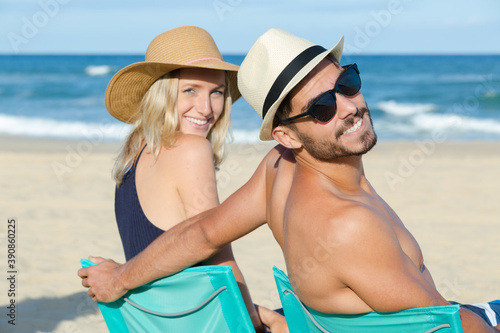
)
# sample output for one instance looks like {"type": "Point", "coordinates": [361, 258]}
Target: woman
{"type": "Point", "coordinates": [178, 101]}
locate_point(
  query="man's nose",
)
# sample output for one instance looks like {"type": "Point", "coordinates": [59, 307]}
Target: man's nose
{"type": "Point", "coordinates": [346, 106]}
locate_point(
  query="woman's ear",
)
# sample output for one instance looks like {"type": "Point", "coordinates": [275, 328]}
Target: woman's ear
{"type": "Point", "coordinates": [286, 137]}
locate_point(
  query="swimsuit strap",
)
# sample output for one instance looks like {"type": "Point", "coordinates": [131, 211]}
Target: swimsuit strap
{"type": "Point", "coordinates": [139, 156]}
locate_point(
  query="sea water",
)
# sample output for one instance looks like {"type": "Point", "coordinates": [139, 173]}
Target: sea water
{"type": "Point", "coordinates": [410, 97]}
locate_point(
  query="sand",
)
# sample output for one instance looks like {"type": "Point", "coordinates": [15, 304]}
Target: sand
{"type": "Point", "coordinates": [60, 194]}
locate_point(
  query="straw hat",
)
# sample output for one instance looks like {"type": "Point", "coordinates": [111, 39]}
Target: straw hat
{"type": "Point", "coordinates": [182, 47]}
{"type": "Point", "coordinates": [275, 64]}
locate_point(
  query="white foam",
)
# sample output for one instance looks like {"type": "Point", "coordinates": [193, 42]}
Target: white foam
{"type": "Point", "coordinates": [40, 127]}
{"type": "Point", "coordinates": [405, 109]}
{"type": "Point", "coordinates": [490, 94]}
{"type": "Point", "coordinates": [455, 123]}
{"type": "Point", "coordinates": [245, 136]}
{"type": "Point", "coordinates": [94, 70]}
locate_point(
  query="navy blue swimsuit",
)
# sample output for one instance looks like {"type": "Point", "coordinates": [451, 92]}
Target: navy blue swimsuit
{"type": "Point", "coordinates": [136, 231]}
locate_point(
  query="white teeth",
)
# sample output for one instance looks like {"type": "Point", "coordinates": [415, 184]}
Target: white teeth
{"type": "Point", "coordinates": [355, 127]}
{"type": "Point", "coordinates": [197, 121]}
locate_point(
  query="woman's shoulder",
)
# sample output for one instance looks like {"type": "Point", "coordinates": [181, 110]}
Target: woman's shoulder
{"type": "Point", "coordinates": [188, 148]}
{"type": "Point", "coordinates": [192, 141]}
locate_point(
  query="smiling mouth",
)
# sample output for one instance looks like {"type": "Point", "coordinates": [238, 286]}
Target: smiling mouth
{"type": "Point", "coordinates": [354, 127]}
{"type": "Point", "coordinates": [197, 121]}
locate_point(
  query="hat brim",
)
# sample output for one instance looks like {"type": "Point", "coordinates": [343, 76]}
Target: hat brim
{"type": "Point", "coordinates": [129, 85]}
{"type": "Point", "coordinates": [267, 123]}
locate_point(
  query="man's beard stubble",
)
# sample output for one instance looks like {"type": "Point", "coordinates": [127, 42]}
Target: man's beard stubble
{"type": "Point", "coordinates": [327, 150]}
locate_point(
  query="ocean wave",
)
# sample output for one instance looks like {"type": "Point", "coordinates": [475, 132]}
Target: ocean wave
{"type": "Point", "coordinates": [491, 94]}
{"type": "Point", "coordinates": [463, 78]}
{"type": "Point", "coordinates": [93, 70]}
{"type": "Point", "coordinates": [405, 109]}
{"type": "Point", "coordinates": [245, 136]}
{"type": "Point", "coordinates": [40, 127]}
{"type": "Point", "coordinates": [455, 123]}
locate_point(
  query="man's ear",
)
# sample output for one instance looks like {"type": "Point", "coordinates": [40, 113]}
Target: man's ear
{"type": "Point", "coordinates": [286, 137]}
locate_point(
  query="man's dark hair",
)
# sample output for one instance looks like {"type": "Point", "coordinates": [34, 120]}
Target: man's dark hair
{"type": "Point", "coordinates": [283, 112]}
{"type": "Point", "coordinates": [285, 108]}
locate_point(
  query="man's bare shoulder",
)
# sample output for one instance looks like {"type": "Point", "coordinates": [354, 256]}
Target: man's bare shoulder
{"type": "Point", "coordinates": [345, 223]}
{"type": "Point", "coordinates": [277, 154]}
{"type": "Point", "coordinates": [350, 222]}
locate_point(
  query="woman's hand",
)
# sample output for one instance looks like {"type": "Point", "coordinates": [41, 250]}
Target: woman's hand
{"type": "Point", "coordinates": [273, 320]}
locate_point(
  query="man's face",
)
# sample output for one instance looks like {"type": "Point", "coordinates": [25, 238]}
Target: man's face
{"type": "Point", "coordinates": [348, 133]}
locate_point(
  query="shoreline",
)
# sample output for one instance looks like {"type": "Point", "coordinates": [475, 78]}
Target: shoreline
{"type": "Point", "coordinates": [61, 194]}
{"type": "Point", "coordinates": [13, 143]}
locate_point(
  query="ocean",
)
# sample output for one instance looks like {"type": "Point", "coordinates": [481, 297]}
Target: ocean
{"type": "Point", "coordinates": [410, 97]}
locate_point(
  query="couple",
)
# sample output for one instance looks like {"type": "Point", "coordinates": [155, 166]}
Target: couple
{"type": "Point", "coordinates": [312, 192]}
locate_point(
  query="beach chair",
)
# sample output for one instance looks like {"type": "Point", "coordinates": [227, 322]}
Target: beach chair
{"type": "Point", "coordinates": [301, 318]}
{"type": "Point", "coordinates": [198, 299]}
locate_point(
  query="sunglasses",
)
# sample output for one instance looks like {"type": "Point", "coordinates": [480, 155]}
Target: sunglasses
{"type": "Point", "coordinates": [325, 106]}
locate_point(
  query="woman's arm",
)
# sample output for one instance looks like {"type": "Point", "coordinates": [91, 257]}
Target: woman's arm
{"type": "Point", "coordinates": [183, 245]}
{"type": "Point", "coordinates": [197, 187]}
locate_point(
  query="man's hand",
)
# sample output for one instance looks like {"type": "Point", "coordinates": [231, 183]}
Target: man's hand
{"type": "Point", "coordinates": [103, 280]}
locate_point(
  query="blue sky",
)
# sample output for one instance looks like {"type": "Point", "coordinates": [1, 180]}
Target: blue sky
{"type": "Point", "coordinates": [370, 27]}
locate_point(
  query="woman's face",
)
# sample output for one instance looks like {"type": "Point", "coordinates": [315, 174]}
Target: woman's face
{"type": "Point", "coordinates": [200, 99]}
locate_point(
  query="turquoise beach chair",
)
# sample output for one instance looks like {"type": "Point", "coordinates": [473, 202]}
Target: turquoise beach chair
{"type": "Point", "coordinates": [301, 318]}
{"type": "Point", "coordinates": [198, 299]}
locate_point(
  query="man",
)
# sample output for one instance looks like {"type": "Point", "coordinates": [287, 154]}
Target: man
{"type": "Point", "coordinates": [346, 250]}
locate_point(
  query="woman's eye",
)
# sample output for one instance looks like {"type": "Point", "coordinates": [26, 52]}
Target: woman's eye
{"type": "Point", "coordinates": [189, 91]}
{"type": "Point", "coordinates": [219, 92]}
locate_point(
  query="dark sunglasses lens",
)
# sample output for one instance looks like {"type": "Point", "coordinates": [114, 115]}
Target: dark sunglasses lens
{"type": "Point", "coordinates": [324, 108]}
{"type": "Point", "coordinates": [349, 83]}
{"type": "Point", "coordinates": [324, 113]}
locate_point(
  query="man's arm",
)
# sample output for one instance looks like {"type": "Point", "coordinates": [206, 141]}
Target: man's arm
{"type": "Point", "coordinates": [186, 244]}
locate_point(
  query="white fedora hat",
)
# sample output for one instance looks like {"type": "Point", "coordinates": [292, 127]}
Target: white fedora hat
{"type": "Point", "coordinates": [275, 64]}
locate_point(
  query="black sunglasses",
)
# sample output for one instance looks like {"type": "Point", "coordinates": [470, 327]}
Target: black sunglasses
{"type": "Point", "coordinates": [325, 106]}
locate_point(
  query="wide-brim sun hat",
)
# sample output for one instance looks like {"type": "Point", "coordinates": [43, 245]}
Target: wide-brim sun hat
{"type": "Point", "coordinates": [275, 64]}
{"type": "Point", "coordinates": [181, 47]}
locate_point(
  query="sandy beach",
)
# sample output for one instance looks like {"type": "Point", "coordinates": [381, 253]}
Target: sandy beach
{"type": "Point", "coordinates": [60, 196]}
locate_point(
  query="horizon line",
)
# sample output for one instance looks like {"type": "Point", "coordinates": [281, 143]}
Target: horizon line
{"type": "Point", "coordinates": [243, 54]}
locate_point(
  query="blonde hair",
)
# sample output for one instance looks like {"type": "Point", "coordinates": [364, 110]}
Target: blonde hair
{"type": "Point", "coordinates": [158, 124]}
